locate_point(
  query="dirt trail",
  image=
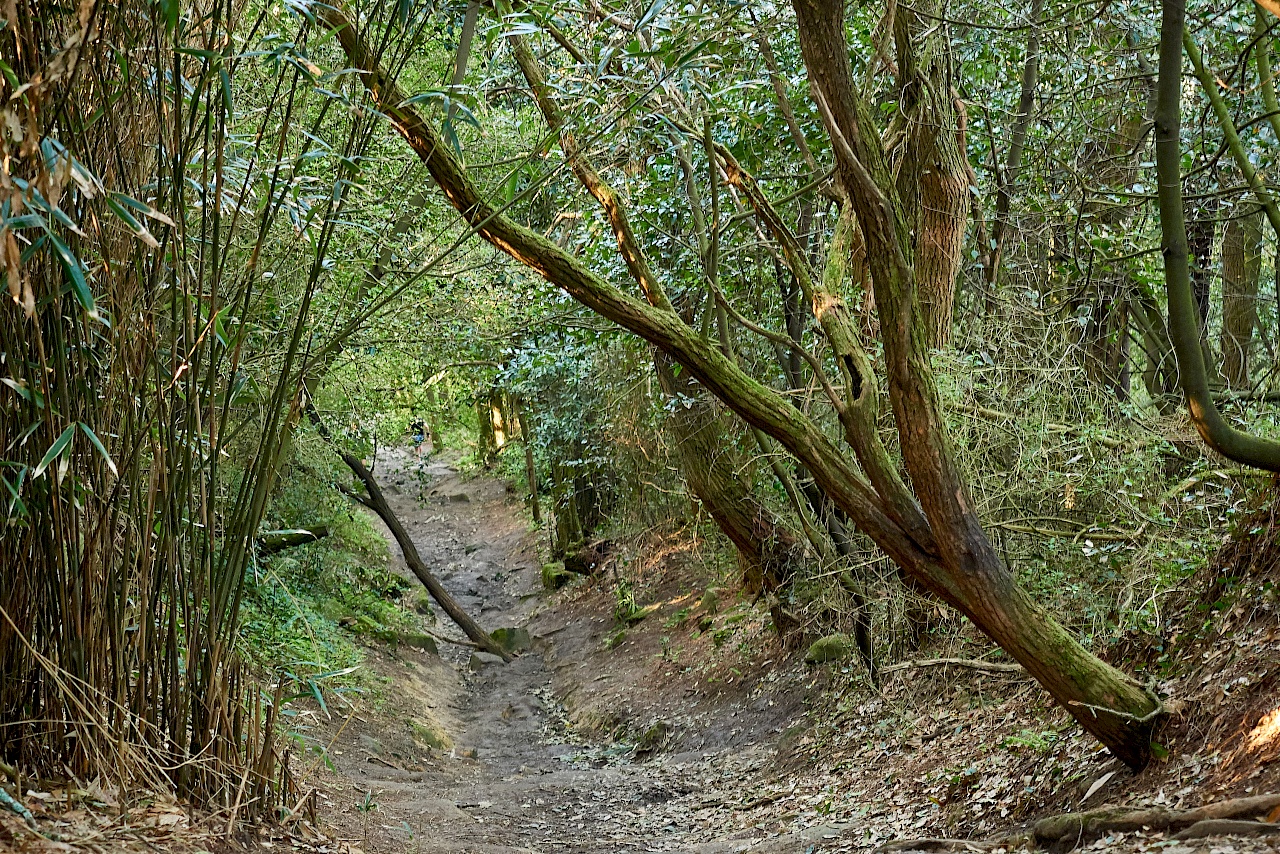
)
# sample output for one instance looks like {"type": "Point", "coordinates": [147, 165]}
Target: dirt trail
{"type": "Point", "coordinates": [507, 775]}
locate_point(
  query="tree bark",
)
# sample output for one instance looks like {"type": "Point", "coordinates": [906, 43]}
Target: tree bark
{"type": "Point", "coordinates": [1006, 179]}
{"type": "Point", "coordinates": [1202, 232]}
{"type": "Point", "coordinates": [433, 419]}
{"type": "Point", "coordinates": [976, 581]}
{"type": "Point", "coordinates": [487, 442]}
{"type": "Point", "coordinates": [1184, 327]}
{"type": "Point", "coordinates": [767, 549]}
{"type": "Point", "coordinates": [933, 175]}
{"type": "Point", "coordinates": [520, 413]}
{"type": "Point", "coordinates": [1241, 264]}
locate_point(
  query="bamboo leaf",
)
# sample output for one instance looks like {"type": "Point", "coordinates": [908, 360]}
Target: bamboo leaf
{"type": "Point", "coordinates": [654, 10]}
{"type": "Point", "coordinates": [16, 503]}
{"type": "Point", "coordinates": [139, 230]}
{"type": "Point", "coordinates": [97, 443]}
{"type": "Point", "coordinates": [56, 450]}
{"type": "Point", "coordinates": [71, 264]}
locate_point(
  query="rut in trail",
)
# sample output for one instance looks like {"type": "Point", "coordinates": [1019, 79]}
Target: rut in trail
{"type": "Point", "coordinates": [508, 776]}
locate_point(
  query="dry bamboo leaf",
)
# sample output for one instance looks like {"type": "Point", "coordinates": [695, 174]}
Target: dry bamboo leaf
{"type": "Point", "coordinates": [1097, 784]}
{"type": "Point", "coordinates": [12, 271]}
{"type": "Point", "coordinates": [12, 124]}
{"type": "Point", "coordinates": [19, 285]}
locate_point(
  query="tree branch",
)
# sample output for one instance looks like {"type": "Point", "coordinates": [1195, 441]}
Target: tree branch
{"type": "Point", "coordinates": [1184, 324]}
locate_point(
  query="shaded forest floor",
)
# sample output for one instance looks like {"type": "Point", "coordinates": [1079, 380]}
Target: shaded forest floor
{"type": "Point", "coordinates": [693, 730]}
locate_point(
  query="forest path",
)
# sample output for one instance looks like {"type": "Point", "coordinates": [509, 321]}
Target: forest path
{"type": "Point", "coordinates": [508, 776]}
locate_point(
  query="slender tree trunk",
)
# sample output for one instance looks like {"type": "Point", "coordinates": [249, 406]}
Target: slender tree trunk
{"type": "Point", "coordinates": [1184, 330]}
{"type": "Point", "coordinates": [433, 419]}
{"type": "Point", "coordinates": [1160, 371]}
{"type": "Point", "coordinates": [1006, 179]}
{"type": "Point", "coordinates": [767, 549]}
{"type": "Point", "coordinates": [376, 501]}
{"type": "Point", "coordinates": [487, 443]}
{"type": "Point", "coordinates": [1241, 264]}
{"type": "Point", "coordinates": [1202, 231]}
{"type": "Point", "coordinates": [520, 413]}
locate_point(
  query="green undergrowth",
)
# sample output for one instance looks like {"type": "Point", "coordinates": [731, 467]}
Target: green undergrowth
{"type": "Point", "coordinates": [307, 608]}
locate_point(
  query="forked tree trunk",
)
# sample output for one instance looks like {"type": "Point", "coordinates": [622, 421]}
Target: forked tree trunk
{"type": "Point", "coordinates": [767, 549]}
{"type": "Point", "coordinates": [966, 570]}
{"type": "Point", "coordinates": [1241, 264]}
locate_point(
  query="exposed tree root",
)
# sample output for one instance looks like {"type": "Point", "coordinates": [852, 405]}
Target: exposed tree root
{"type": "Point", "coordinates": [1064, 832]}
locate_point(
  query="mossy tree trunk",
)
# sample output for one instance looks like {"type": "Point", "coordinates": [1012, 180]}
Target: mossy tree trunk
{"type": "Point", "coordinates": [1241, 264]}
{"type": "Point", "coordinates": [767, 549]}
{"type": "Point", "coordinates": [1184, 326]}
{"type": "Point", "coordinates": [962, 566]}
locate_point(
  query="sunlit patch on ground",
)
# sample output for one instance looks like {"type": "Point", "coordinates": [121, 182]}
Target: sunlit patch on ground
{"type": "Point", "coordinates": [1267, 732]}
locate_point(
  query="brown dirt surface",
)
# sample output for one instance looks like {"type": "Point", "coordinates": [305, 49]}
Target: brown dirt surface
{"type": "Point", "coordinates": [694, 730]}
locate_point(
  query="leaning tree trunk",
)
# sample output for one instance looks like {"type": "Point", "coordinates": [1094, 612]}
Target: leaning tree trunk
{"type": "Point", "coordinates": [375, 500]}
{"type": "Point", "coordinates": [767, 549]}
{"type": "Point", "coordinates": [963, 566]}
{"type": "Point", "coordinates": [1241, 264]}
{"type": "Point", "coordinates": [1184, 331]}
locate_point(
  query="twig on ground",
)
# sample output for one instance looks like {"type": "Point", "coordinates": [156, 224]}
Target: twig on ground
{"type": "Point", "coordinates": [968, 663]}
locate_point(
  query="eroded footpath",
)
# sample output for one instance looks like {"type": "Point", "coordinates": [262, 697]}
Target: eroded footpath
{"type": "Point", "coordinates": [505, 773]}
{"type": "Point", "coordinates": [463, 755]}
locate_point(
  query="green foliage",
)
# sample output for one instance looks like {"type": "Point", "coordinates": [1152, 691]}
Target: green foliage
{"type": "Point", "coordinates": [296, 599]}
